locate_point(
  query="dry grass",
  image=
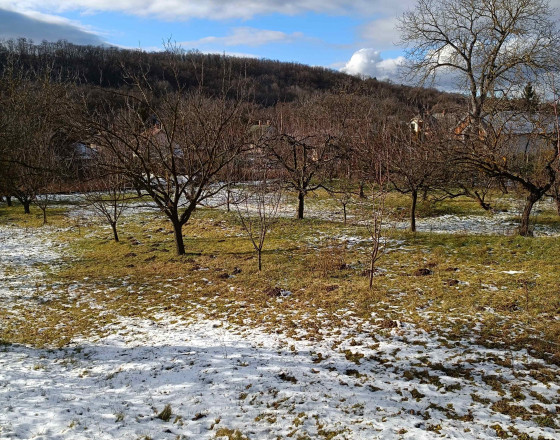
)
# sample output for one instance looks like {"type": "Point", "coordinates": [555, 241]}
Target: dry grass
{"type": "Point", "coordinates": [468, 287]}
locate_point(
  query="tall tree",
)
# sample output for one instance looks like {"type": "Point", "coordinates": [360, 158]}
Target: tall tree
{"type": "Point", "coordinates": [174, 147]}
{"type": "Point", "coordinates": [303, 145]}
{"type": "Point", "coordinates": [491, 48]}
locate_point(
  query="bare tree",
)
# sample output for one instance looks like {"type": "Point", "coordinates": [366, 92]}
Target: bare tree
{"type": "Point", "coordinates": [375, 227]}
{"type": "Point", "coordinates": [257, 208]}
{"type": "Point", "coordinates": [343, 193]}
{"type": "Point", "coordinates": [491, 48]}
{"type": "Point", "coordinates": [374, 148]}
{"type": "Point", "coordinates": [356, 123]}
{"type": "Point", "coordinates": [229, 176]}
{"type": "Point", "coordinates": [34, 114]}
{"type": "Point", "coordinates": [556, 111]}
{"type": "Point", "coordinates": [416, 159]}
{"type": "Point", "coordinates": [473, 183]}
{"type": "Point", "coordinates": [375, 219]}
{"type": "Point", "coordinates": [174, 147]}
{"type": "Point", "coordinates": [106, 192]}
{"type": "Point", "coordinates": [487, 46]}
{"type": "Point", "coordinates": [371, 115]}
{"type": "Point", "coordinates": [521, 148]}
{"type": "Point", "coordinates": [109, 203]}
{"type": "Point", "coordinates": [44, 198]}
{"type": "Point", "coordinates": [303, 146]}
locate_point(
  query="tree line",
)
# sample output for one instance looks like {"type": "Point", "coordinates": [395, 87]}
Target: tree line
{"type": "Point", "coordinates": [274, 81]}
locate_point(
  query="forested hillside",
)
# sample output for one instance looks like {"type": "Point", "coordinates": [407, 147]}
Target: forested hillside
{"type": "Point", "coordinates": [273, 81]}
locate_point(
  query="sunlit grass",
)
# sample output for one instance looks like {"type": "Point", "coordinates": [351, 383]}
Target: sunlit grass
{"type": "Point", "coordinates": [502, 290]}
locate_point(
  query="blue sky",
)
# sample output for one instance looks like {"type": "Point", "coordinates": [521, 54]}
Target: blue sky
{"type": "Point", "coordinates": [357, 36]}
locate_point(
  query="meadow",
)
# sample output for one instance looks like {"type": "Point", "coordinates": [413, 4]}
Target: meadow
{"type": "Point", "coordinates": [458, 337]}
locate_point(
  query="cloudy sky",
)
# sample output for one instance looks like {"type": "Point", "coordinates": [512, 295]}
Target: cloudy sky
{"type": "Point", "coordinates": [357, 36]}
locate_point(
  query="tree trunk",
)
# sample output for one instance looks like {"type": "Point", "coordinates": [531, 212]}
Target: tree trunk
{"type": "Point", "coordinates": [362, 192]}
{"type": "Point", "coordinates": [178, 233]}
{"type": "Point", "coordinates": [9, 200]}
{"type": "Point", "coordinates": [480, 199]}
{"type": "Point", "coordinates": [26, 205]}
{"type": "Point", "coordinates": [372, 265]}
{"type": "Point", "coordinates": [301, 201]}
{"type": "Point", "coordinates": [259, 252]}
{"type": "Point", "coordinates": [532, 198]}
{"type": "Point", "coordinates": [556, 197]}
{"type": "Point", "coordinates": [115, 233]}
{"type": "Point", "coordinates": [484, 205]}
{"type": "Point", "coordinates": [228, 199]}
{"type": "Point", "coordinates": [344, 211]}
{"type": "Point", "coordinates": [414, 196]}
{"type": "Point", "coordinates": [44, 215]}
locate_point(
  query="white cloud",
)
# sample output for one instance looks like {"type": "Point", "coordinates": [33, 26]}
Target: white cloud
{"type": "Point", "coordinates": [179, 9]}
{"type": "Point", "coordinates": [368, 62]}
{"type": "Point", "coordinates": [246, 36]}
{"type": "Point", "coordinates": [219, 9]}
{"type": "Point", "coordinates": [381, 33]}
{"type": "Point", "coordinates": [39, 27]}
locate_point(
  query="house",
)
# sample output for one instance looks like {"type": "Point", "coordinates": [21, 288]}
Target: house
{"type": "Point", "coordinates": [524, 132]}
{"type": "Point", "coordinates": [156, 148]}
{"type": "Point", "coordinates": [424, 125]}
{"type": "Point", "coordinates": [82, 157]}
{"type": "Point", "coordinates": [83, 152]}
{"type": "Point", "coordinates": [463, 129]}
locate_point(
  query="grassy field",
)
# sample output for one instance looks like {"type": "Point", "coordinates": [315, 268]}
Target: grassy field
{"type": "Point", "coordinates": [494, 290]}
{"type": "Point", "coordinates": [511, 284]}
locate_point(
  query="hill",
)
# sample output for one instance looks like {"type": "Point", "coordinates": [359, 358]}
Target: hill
{"type": "Point", "coordinates": [274, 81]}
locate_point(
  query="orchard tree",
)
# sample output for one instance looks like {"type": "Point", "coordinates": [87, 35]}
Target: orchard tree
{"type": "Point", "coordinates": [303, 144]}
{"type": "Point", "coordinates": [491, 49]}
{"type": "Point", "coordinates": [524, 150]}
{"type": "Point", "coordinates": [257, 206]}
{"type": "Point", "coordinates": [371, 115]}
{"type": "Point", "coordinates": [174, 147]}
{"type": "Point", "coordinates": [105, 191]}
{"type": "Point", "coordinates": [474, 183]}
{"type": "Point", "coordinates": [417, 160]}
{"type": "Point", "coordinates": [34, 114]}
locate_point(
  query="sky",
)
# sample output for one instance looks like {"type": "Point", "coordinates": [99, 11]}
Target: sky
{"type": "Point", "coordinates": [355, 36]}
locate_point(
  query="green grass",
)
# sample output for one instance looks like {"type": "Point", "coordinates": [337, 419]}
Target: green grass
{"type": "Point", "coordinates": [218, 277]}
{"type": "Point", "coordinates": [15, 215]}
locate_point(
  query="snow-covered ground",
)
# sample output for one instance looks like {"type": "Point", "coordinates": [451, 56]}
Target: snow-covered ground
{"type": "Point", "coordinates": [373, 379]}
{"type": "Point", "coordinates": [501, 223]}
{"type": "Point", "coordinates": [372, 384]}
{"type": "Point", "coordinates": [215, 376]}
{"type": "Point", "coordinates": [25, 253]}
